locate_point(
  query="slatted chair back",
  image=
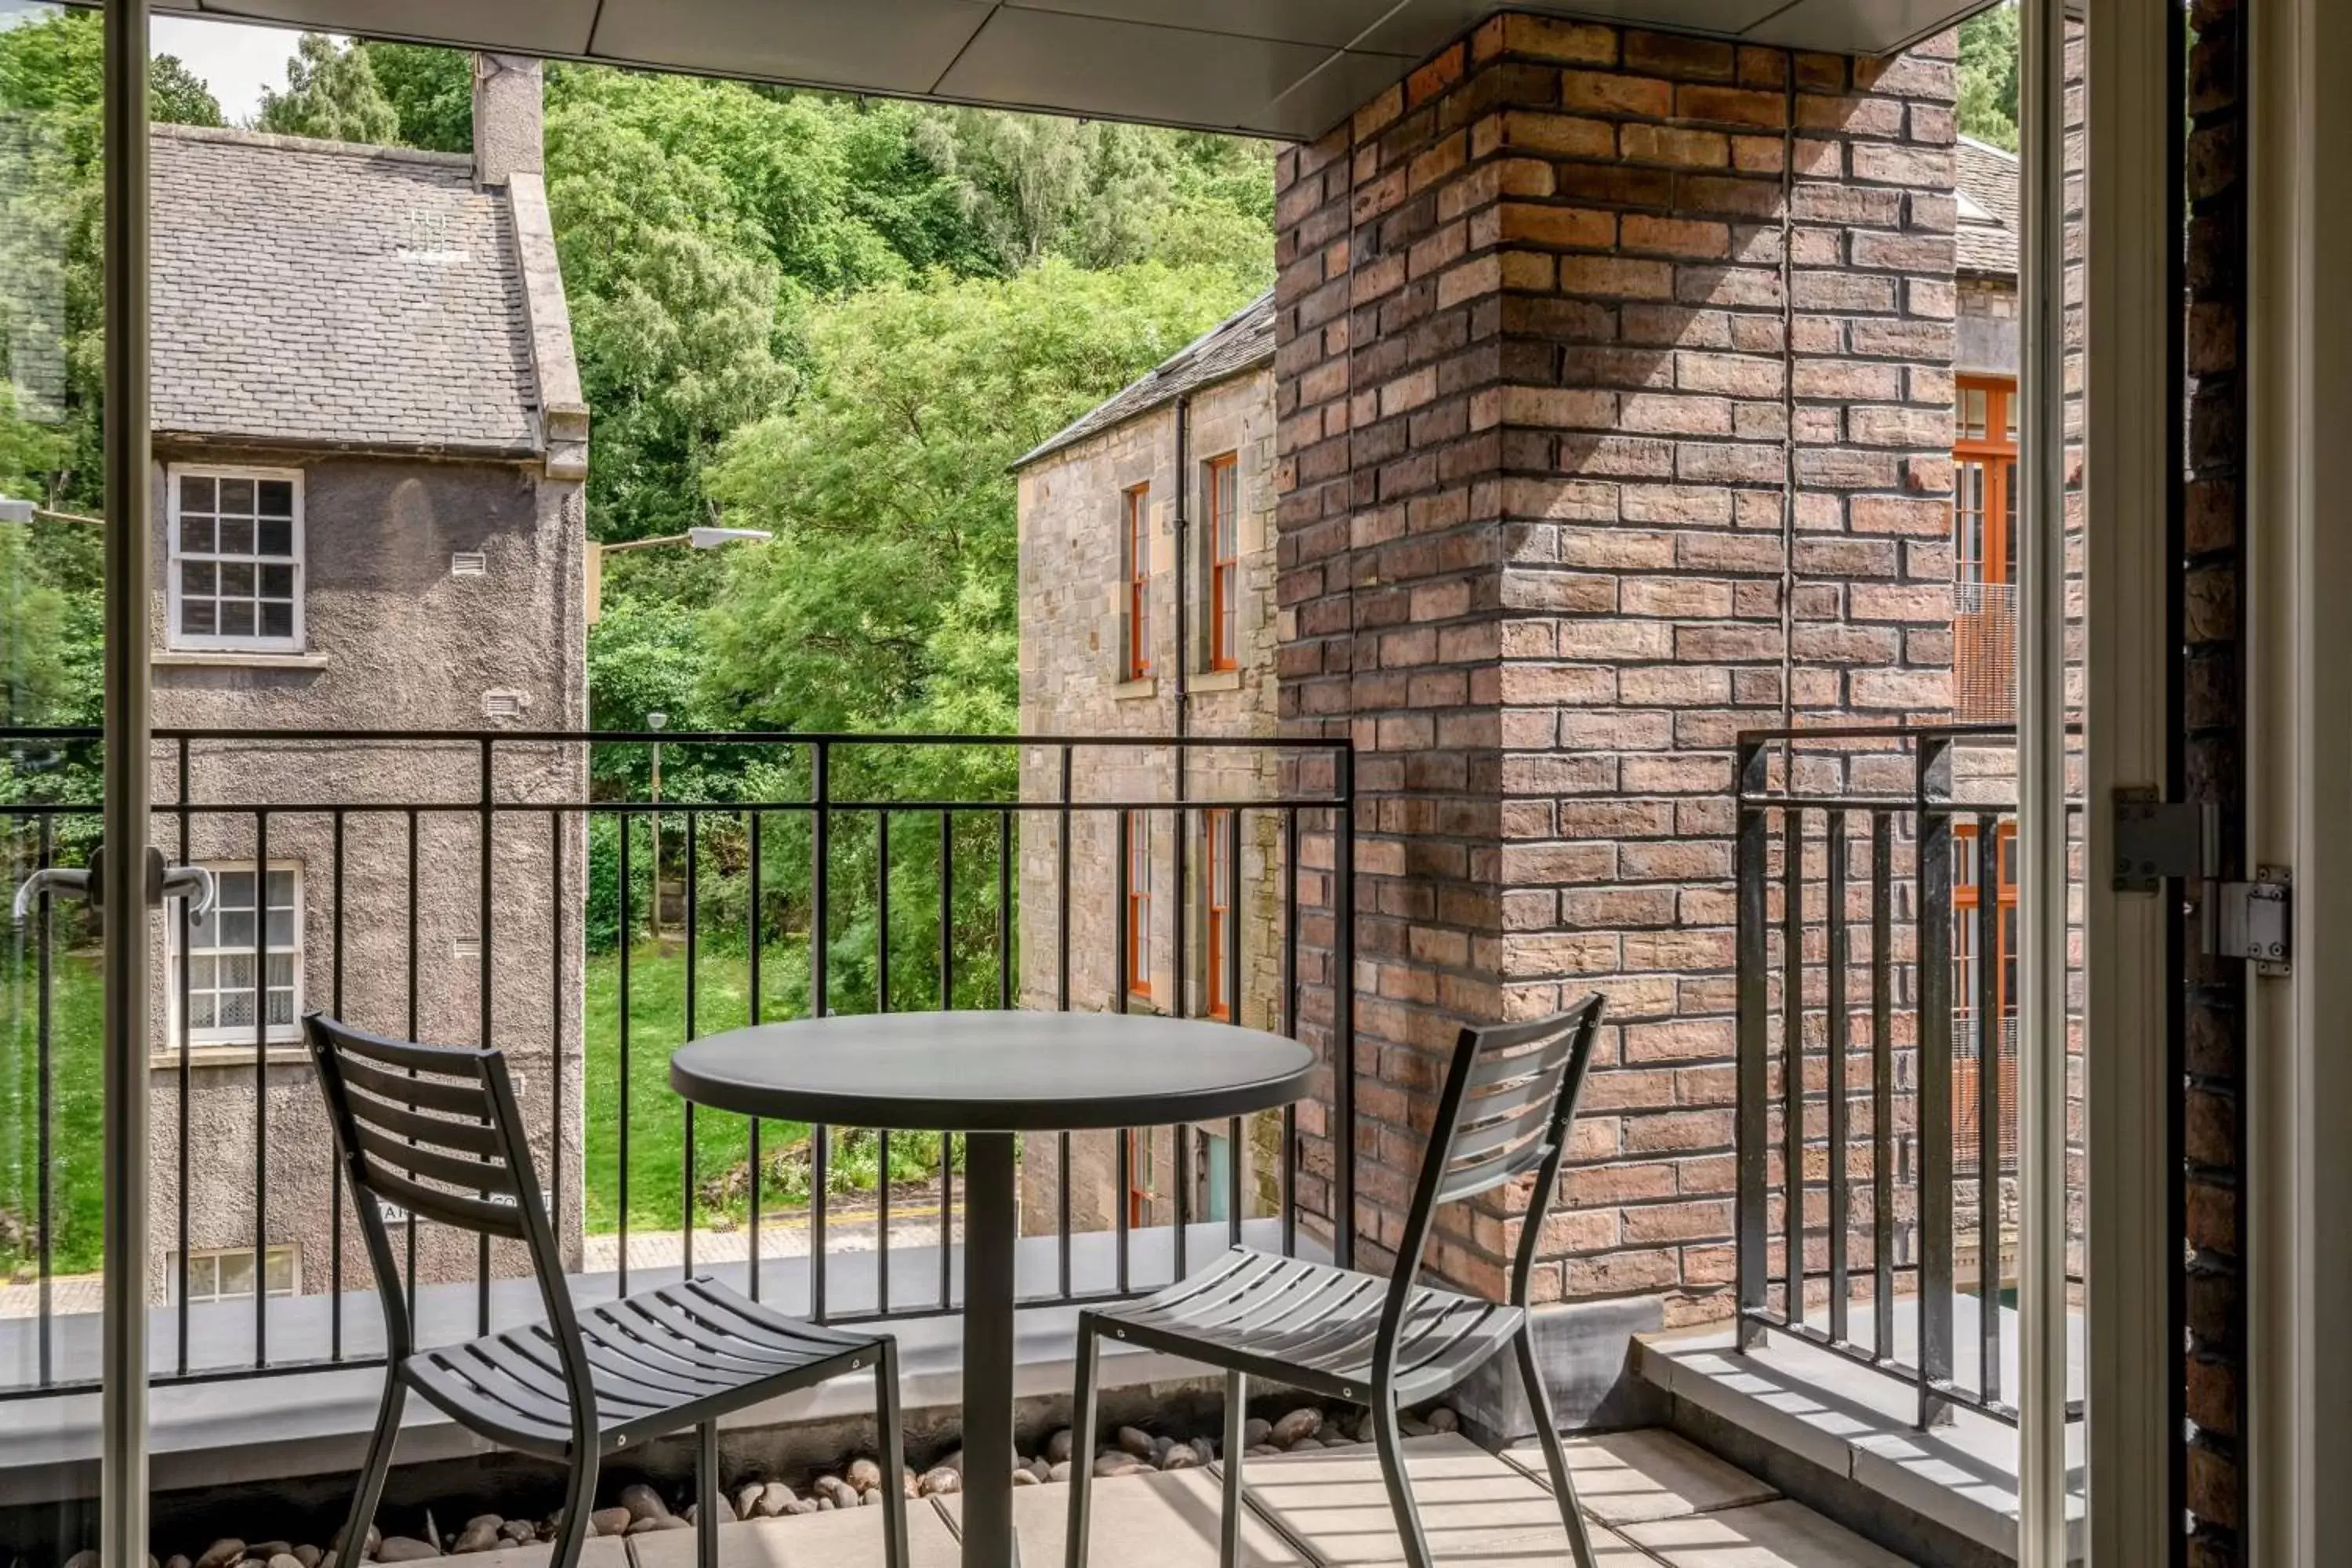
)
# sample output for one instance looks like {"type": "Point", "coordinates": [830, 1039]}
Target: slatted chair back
{"type": "Point", "coordinates": [1509, 1101]}
{"type": "Point", "coordinates": [435, 1129]}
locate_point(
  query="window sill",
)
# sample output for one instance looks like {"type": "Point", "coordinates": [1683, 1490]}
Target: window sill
{"type": "Point", "coordinates": [234, 659]}
{"type": "Point", "coordinates": [1216, 681]}
{"type": "Point", "coordinates": [1135, 691]}
{"type": "Point", "coordinates": [288, 1051]}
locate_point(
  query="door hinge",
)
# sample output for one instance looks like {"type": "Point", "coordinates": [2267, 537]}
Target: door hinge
{"type": "Point", "coordinates": [2156, 839]}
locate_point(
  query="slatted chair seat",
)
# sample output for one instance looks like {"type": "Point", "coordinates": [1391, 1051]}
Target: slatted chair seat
{"type": "Point", "coordinates": [435, 1129]}
{"type": "Point", "coordinates": [1509, 1101]}
{"type": "Point", "coordinates": [1315, 1327]}
{"type": "Point", "coordinates": [659, 1360]}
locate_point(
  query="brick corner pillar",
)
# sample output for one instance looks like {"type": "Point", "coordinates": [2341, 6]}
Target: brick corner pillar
{"type": "Point", "coordinates": [1613, 395]}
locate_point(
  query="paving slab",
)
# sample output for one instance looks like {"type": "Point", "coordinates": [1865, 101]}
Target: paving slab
{"type": "Point", "coordinates": [1770, 1535]}
{"type": "Point", "coordinates": [1164, 1520]}
{"type": "Point", "coordinates": [1477, 1510]}
{"type": "Point", "coordinates": [598, 1552]}
{"type": "Point", "coordinates": [1625, 1478]}
{"type": "Point", "coordinates": [845, 1537]}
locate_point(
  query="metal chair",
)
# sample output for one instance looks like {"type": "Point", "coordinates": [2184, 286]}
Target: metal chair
{"type": "Point", "coordinates": [434, 1130]}
{"type": "Point", "coordinates": [1506, 1110]}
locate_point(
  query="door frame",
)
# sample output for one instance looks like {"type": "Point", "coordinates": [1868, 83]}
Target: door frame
{"type": "Point", "coordinates": [2132, 474]}
{"type": "Point", "coordinates": [2298, 1075]}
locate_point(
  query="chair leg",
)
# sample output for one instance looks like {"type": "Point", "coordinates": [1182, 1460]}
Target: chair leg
{"type": "Point", "coordinates": [1554, 1451]}
{"type": "Point", "coordinates": [350, 1550]}
{"type": "Point", "coordinates": [706, 1500]}
{"type": "Point", "coordinates": [894, 1456]}
{"type": "Point", "coordinates": [579, 1503]}
{"type": "Point", "coordinates": [1229, 1538]}
{"type": "Point", "coordinates": [1390, 1439]}
{"type": "Point", "coordinates": [1082, 1441]}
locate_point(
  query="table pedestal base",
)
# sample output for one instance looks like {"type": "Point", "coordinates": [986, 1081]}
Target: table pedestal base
{"type": "Point", "coordinates": [990, 1229]}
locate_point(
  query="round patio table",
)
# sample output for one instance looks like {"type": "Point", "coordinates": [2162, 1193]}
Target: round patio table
{"type": "Point", "coordinates": [992, 1076]}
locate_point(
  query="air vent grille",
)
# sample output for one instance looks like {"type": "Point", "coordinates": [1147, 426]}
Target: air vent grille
{"type": "Point", "coordinates": [469, 563]}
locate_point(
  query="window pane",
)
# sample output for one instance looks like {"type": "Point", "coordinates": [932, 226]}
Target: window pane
{"type": "Point", "coordinates": [277, 537]}
{"type": "Point", "coordinates": [197, 618]}
{"type": "Point", "coordinates": [237, 1274]}
{"type": "Point", "coordinates": [196, 494]}
{"type": "Point", "coordinates": [237, 933]}
{"type": "Point", "coordinates": [236, 618]}
{"type": "Point", "coordinates": [276, 498]}
{"type": "Point", "coordinates": [235, 537]}
{"type": "Point", "coordinates": [199, 579]}
{"type": "Point", "coordinates": [234, 889]}
{"type": "Point", "coordinates": [281, 928]}
{"type": "Point", "coordinates": [277, 619]}
{"type": "Point", "coordinates": [281, 1007]}
{"type": "Point", "coordinates": [281, 890]}
{"type": "Point", "coordinates": [196, 535]}
{"type": "Point", "coordinates": [201, 1014]}
{"type": "Point", "coordinates": [237, 495]}
{"type": "Point", "coordinates": [237, 579]}
{"type": "Point", "coordinates": [281, 1270]}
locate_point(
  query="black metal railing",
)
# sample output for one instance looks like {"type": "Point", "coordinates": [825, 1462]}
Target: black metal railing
{"type": "Point", "coordinates": [875, 872]}
{"type": "Point", "coordinates": [1875, 908]}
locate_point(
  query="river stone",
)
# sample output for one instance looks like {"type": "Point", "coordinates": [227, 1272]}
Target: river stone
{"type": "Point", "coordinates": [519, 1530]}
{"type": "Point", "coordinates": [941, 1480]}
{"type": "Point", "coordinates": [1137, 1442]}
{"type": "Point", "coordinates": [643, 1502]}
{"type": "Point", "coordinates": [865, 1474]}
{"type": "Point", "coordinates": [774, 1498]}
{"type": "Point", "coordinates": [285, 1560]}
{"type": "Point", "coordinates": [803, 1505]}
{"type": "Point", "coordinates": [611, 1520]}
{"type": "Point", "coordinates": [1058, 1471]}
{"type": "Point", "coordinates": [1060, 1446]}
{"type": "Point", "coordinates": [403, 1549]}
{"type": "Point", "coordinates": [178, 1560]}
{"type": "Point", "coordinates": [222, 1553]}
{"type": "Point", "coordinates": [1180, 1457]}
{"type": "Point", "coordinates": [308, 1556]}
{"type": "Point", "coordinates": [85, 1558]}
{"type": "Point", "coordinates": [1444, 1419]}
{"type": "Point", "coordinates": [954, 1461]}
{"type": "Point", "coordinates": [263, 1550]}
{"type": "Point", "coordinates": [1302, 1423]}
{"type": "Point", "coordinates": [1255, 1431]}
{"type": "Point", "coordinates": [1414, 1426]}
{"type": "Point", "coordinates": [1259, 1451]}
{"type": "Point", "coordinates": [1115, 1464]}
{"type": "Point", "coordinates": [1023, 1476]}
{"type": "Point", "coordinates": [659, 1522]}
{"type": "Point", "coordinates": [837, 1491]}
{"type": "Point", "coordinates": [746, 1499]}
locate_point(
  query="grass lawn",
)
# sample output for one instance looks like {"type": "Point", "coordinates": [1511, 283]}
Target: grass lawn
{"type": "Point", "coordinates": [77, 1133]}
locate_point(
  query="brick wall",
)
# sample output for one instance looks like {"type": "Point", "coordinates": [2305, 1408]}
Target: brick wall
{"type": "Point", "coordinates": [1613, 396]}
{"type": "Point", "coordinates": [2213, 1117]}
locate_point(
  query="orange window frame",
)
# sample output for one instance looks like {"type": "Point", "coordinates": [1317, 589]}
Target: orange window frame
{"type": "Point", "coordinates": [1990, 451]}
{"type": "Point", "coordinates": [1136, 518]}
{"type": "Point", "coordinates": [1224, 490]}
{"type": "Point", "coordinates": [1217, 860]}
{"type": "Point", "coordinates": [1965, 904]}
{"type": "Point", "coordinates": [1138, 904]}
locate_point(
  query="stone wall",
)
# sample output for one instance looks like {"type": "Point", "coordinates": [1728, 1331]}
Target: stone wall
{"type": "Point", "coordinates": [1073, 682]}
{"type": "Point", "coordinates": [394, 642]}
{"type": "Point", "coordinates": [1614, 388]}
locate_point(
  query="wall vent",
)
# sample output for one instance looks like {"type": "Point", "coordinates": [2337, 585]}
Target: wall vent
{"type": "Point", "coordinates": [504, 704]}
{"type": "Point", "coordinates": [466, 950]}
{"type": "Point", "coordinates": [469, 563]}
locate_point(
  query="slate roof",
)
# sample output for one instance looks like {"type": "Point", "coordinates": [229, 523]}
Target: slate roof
{"type": "Point", "coordinates": [1988, 227]}
{"type": "Point", "coordinates": [322, 292]}
{"type": "Point", "coordinates": [1242, 341]}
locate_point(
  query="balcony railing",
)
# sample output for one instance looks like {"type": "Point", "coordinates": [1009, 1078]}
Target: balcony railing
{"type": "Point", "coordinates": [1876, 1137]}
{"type": "Point", "coordinates": [460, 887]}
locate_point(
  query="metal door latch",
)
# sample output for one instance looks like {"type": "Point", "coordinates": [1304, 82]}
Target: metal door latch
{"type": "Point", "coordinates": [2156, 839]}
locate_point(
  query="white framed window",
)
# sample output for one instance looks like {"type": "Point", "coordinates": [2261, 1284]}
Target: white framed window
{"type": "Point", "coordinates": [221, 995]}
{"type": "Point", "coordinates": [233, 578]}
{"type": "Point", "coordinates": [225, 1273]}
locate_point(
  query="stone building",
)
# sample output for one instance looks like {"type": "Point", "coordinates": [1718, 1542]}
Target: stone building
{"type": "Point", "coordinates": [1146, 609]}
{"type": "Point", "coordinates": [370, 447]}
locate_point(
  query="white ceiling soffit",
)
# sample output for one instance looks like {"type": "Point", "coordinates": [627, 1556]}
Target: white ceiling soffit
{"type": "Point", "coordinates": [1288, 69]}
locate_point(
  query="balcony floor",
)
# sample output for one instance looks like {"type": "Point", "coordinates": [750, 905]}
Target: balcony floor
{"type": "Point", "coordinates": [1652, 1500]}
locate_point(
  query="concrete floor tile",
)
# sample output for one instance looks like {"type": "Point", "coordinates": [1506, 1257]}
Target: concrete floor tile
{"type": "Point", "coordinates": [1770, 1535]}
{"type": "Point", "coordinates": [1475, 1509]}
{"type": "Point", "coordinates": [849, 1537]}
{"type": "Point", "coordinates": [602, 1551]}
{"type": "Point", "coordinates": [1158, 1520]}
{"type": "Point", "coordinates": [1623, 1477]}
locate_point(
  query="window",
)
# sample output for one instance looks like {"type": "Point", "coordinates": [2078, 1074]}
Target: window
{"type": "Point", "coordinates": [225, 1273]}
{"type": "Point", "coordinates": [1971, 1033]}
{"type": "Point", "coordinates": [220, 959]}
{"type": "Point", "coordinates": [1221, 486]}
{"type": "Point", "coordinates": [1140, 1175]}
{"type": "Point", "coordinates": [233, 576]}
{"type": "Point", "coordinates": [1136, 521]}
{"type": "Point", "coordinates": [1984, 524]}
{"type": "Point", "coordinates": [1217, 866]}
{"type": "Point", "coordinates": [1138, 904]}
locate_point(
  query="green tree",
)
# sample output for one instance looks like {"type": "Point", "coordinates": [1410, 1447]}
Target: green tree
{"type": "Point", "coordinates": [431, 91]}
{"type": "Point", "coordinates": [332, 92]}
{"type": "Point", "coordinates": [1988, 106]}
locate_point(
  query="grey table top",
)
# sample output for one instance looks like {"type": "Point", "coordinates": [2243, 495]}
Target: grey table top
{"type": "Point", "coordinates": [992, 1072]}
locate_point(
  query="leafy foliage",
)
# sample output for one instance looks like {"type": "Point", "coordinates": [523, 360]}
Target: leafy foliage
{"type": "Point", "coordinates": [1988, 106]}
{"type": "Point", "coordinates": [332, 92]}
